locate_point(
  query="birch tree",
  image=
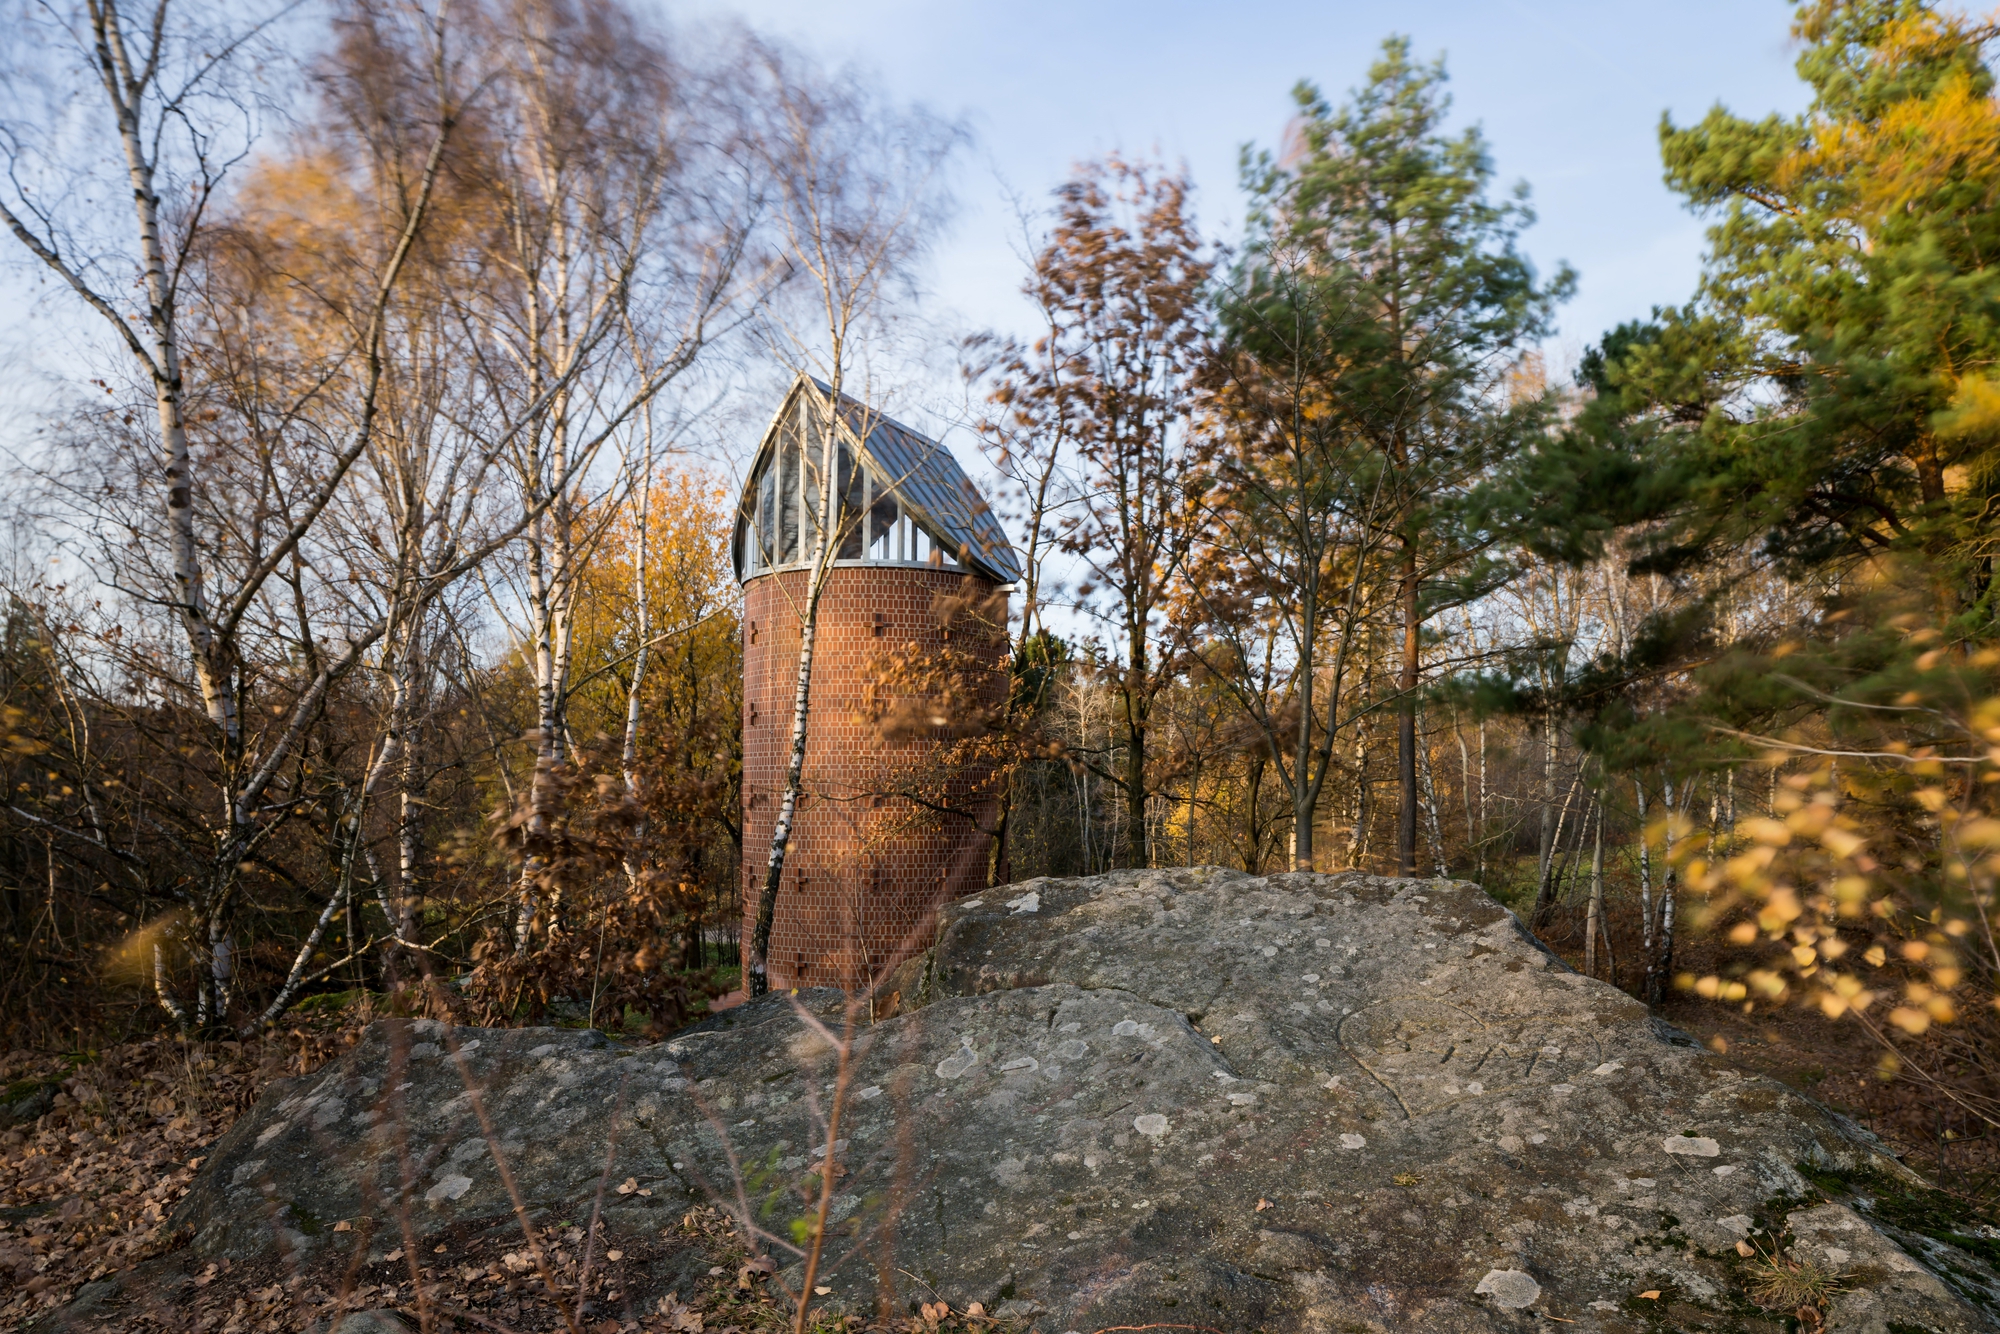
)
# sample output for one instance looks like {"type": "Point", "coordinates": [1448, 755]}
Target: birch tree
{"type": "Point", "coordinates": [167, 96]}
{"type": "Point", "coordinates": [858, 194]}
{"type": "Point", "coordinates": [624, 206]}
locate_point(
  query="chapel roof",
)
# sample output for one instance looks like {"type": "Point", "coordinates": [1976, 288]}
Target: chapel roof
{"type": "Point", "coordinates": [923, 474]}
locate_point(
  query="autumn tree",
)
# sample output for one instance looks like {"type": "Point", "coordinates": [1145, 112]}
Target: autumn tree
{"type": "Point", "coordinates": [620, 222]}
{"type": "Point", "coordinates": [172, 97]}
{"type": "Point", "coordinates": [1290, 565]}
{"type": "Point", "coordinates": [659, 641]}
{"type": "Point", "coordinates": [1121, 281]}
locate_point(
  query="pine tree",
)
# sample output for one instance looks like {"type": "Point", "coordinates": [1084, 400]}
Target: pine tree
{"type": "Point", "coordinates": [1396, 255]}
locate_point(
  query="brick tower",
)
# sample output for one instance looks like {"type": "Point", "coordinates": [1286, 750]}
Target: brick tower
{"type": "Point", "coordinates": [883, 834]}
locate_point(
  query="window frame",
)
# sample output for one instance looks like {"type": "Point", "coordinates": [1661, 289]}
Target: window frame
{"type": "Point", "coordinates": [911, 543]}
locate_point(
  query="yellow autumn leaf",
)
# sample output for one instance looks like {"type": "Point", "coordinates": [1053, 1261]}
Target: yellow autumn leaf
{"type": "Point", "coordinates": [1765, 830]}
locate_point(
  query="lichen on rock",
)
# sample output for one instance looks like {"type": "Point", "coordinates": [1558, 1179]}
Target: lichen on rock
{"type": "Point", "coordinates": [1295, 1102]}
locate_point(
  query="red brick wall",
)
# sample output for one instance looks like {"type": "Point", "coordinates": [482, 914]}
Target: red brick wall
{"type": "Point", "coordinates": [865, 871]}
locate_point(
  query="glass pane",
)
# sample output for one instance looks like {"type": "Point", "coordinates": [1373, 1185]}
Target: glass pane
{"type": "Point", "coordinates": [788, 500]}
{"type": "Point", "coordinates": [882, 522]}
{"type": "Point", "coordinates": [814, 471]}
{"type": "Point", "coordinates": [853, 482]}
{"type": "Point", "coordinates": [767, 517]}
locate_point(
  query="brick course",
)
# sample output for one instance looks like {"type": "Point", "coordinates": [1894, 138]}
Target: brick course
{"type": "Point", "coordinates": [864, 874]}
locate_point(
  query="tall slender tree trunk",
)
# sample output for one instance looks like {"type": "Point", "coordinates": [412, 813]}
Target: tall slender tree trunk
{"type": "Point", "coordinates": [1545, 890]}
{"type": "Point", "coordinates": [1357, 842]}
{"type": "Point", "coordinates": [757, 975]}
{"type": "Point", "coordinates": [1482, 801]}
{"type": "Point", "coordinates": [1662, 967]}
{"type": "Point", "coordinates": [1594, 925]}
{"type": "Point", "coordinates": [1465, 785]}
{"type": "Point", "coordinates": [1136, 835]}
{"type": "Point", "coordinates": [210, 650]}
{"type": "Point", "coordinates": [1546, 848]}
{"type": "Point", "coordinates": [1406, 720]}
{"type": "Point", "coordinates": [1254, 785]}
{"type": "Point", "coordinates": [540, 609]}
{"type": "Point", "coordinates": [1433, 825]}
{"type": "Point", "coordinates": [628, 751]}
{"type": "Point", "coordinates": [1645, 894]}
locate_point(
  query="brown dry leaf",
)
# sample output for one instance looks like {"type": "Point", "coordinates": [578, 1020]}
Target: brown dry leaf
{"type": "Point", "coordinates": [628, 1185]}
{"type": "Point", "coordinates": [1651, 1294]}
{"type": "Point", "coordinates": [680, 1318]}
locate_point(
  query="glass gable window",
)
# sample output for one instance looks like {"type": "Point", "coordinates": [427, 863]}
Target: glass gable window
{"type": "Point", "coordinates": [788, 498]}
{"type": "Point", "coordinates": [781, 520]}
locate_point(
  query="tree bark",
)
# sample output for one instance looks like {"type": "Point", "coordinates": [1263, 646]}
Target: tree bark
{"type": "Point", "coordinates": [1434, 826]}
{"type": "Point", "coordinates": [1137, 706]}
{"type": "Point", "coordinates": [1406, 720]}
{"type": "Point", "coordinates": [1645, 894]}
{"type": "Point", "coordinates": [1594, 926]}
{"type": "Point", "coordinates": [756, 975]}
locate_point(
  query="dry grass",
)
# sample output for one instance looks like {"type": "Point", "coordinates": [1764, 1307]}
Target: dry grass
{"type": "Point", "coordinates": [1778, 1281]}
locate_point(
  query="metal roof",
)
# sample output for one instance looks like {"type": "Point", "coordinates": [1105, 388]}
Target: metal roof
{"type": "Point", "coordinates": [924, 476]}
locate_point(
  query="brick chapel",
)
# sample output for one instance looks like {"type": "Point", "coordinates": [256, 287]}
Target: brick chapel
{"type": "Point", "coordinates": [871, 855]}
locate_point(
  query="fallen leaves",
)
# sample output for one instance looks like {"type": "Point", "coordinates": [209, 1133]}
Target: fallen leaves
{"type": "Point", "coordinates": [760, 1266]}
{"type": "Point", "coordinates": [680, 1317]}
{"type": "Point", "coordinates": [90, 1183]}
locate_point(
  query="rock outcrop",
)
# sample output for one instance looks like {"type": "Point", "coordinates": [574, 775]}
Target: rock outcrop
{"type": "Point", "coordinates": [1299, 1102]}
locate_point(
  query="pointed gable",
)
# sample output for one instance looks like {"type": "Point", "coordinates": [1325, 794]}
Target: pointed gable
{"type": "Point", "coordinates": [908, 502]}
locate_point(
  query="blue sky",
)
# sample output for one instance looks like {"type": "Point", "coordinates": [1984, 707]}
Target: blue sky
{"type": "Point", "coordinates": [1570, 96]}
